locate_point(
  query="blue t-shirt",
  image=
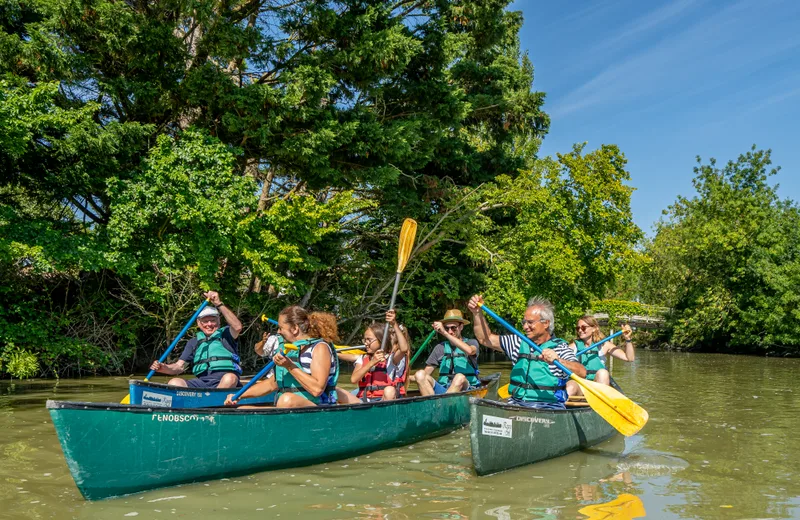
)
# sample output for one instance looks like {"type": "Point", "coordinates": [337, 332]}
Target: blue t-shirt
{"type": "Point", "coordinates": [228, 341]}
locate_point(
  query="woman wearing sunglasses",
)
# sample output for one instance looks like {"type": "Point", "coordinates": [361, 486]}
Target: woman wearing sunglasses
{"type": "Point", "coordinates": [588, 332]}
{"type": "Point", "coordinates": [380, 375]}
{"type": "Point", "coordinates": [456, 357]}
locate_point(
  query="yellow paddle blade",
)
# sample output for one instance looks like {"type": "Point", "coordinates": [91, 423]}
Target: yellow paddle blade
{"type": "Point", "coordinates": [407, 235]}
{"type": "Point", "coordinates": [354, 351]}
{"type": "Point", "coordinates": [623, 414]}
{"type": "Point", "coordinates": [624, 507]}
{"type": "Point", "coordinates": [126, 399]}
{"type": "Point", "coordinates": [340, 349]}
{"type": "Point", "coordinates": [503, 392]}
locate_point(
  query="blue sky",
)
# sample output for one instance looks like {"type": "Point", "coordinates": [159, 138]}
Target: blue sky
{"type": "Point", "coordinates": [667, 81]}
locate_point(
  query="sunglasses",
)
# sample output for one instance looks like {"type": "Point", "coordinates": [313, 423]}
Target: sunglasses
{"type": "Point", "coordinates": [582, 328]}
{"type": "Point", "coordinates": [451, 327]}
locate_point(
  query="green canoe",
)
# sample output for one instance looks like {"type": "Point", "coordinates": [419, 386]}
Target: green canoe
{"type": "Point", "coordinates": [113, 449]}
{"type": "Point", "coordinates": [505, 436]}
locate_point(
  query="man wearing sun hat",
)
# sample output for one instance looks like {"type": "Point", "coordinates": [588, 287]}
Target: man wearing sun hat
{"type": "Point", "coordinates": [213, 352]}
{"type": "Point", "coordinates": [456, 357]}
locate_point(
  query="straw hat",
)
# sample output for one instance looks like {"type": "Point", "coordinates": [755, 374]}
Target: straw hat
{"type": "Point", "coordinates": [454, 315]}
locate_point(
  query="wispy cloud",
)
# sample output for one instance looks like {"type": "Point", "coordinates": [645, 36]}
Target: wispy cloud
{"type": "Point", "coordinates": [713, 50]}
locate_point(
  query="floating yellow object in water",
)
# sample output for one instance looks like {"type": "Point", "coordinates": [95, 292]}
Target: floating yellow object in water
{"type": "Point", "coordinates": [624, 507]}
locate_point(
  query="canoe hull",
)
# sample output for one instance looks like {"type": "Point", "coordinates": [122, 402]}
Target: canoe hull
{"type": "Point", "coordinates": [114, 449]}
{"type": "Point", "coordinates": [157, 395]}
{"type": "Point", "coordinates": [503, 436]}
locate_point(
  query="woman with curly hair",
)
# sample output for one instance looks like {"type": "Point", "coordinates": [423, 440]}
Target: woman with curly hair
{"type": "Point", "coordinates": [305, 376]}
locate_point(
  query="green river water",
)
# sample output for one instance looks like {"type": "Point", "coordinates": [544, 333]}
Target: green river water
{"type": "Point", "coordinates": [720, 443]}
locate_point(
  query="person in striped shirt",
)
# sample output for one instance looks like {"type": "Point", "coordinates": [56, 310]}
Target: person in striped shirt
{"type": "Point", "coordinates": [536, 382]}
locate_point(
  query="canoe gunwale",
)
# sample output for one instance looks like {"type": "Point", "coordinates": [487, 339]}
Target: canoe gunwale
{"type": "Point", "coordinates": [490, 381]}
{"type": "Point", "coordinates": [506, 406]}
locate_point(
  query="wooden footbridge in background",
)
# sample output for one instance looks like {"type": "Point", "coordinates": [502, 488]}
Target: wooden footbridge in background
{"type": "Point", "coordinates": [653, 319]}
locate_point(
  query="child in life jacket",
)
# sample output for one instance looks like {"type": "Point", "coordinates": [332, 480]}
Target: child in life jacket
{"type": "Point", "coordinates": [380, 374]}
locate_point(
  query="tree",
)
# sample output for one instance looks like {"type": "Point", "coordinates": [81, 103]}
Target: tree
{"type": "Point", "coordinates": [727, 261]}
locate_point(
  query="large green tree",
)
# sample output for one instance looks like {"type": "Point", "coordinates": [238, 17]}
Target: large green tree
{"type": "Point", "coordinates": [728, 261]}
{"type": "Point", "coordinates": [270, 150]}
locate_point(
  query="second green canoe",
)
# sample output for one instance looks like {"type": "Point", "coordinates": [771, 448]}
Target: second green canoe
{"type": "Point", "coordinates": [114, 449]}
{"type": "Point", "coordinates": [504, 436]}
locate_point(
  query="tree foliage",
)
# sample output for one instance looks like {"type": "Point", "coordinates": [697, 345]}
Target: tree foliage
{"type": "Point", "coordinates": [270, 150]}
{"type": "Point", "coordinates": [727, 261]}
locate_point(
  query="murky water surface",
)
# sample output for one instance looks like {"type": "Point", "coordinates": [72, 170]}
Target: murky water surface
{"type": "Point", "coordinates": [722, 442]}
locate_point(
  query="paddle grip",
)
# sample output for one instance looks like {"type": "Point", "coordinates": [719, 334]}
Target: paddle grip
{"type": "Point", "coordinates": [595, 345]}
{"type": "Point", "coordinates": [269, 320]}
{"type": "Point", "coordinates": [522, 336]}
{"type": "Point", "coordinates": [422, 347]}
{"type": "Point", "coordinates": [391, 306]}
{"type": "Point", "coordinates": [178, 337]}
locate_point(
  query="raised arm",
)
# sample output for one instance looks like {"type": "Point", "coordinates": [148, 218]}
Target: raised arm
{"type": "Point", "coordinates": [465, 347]}
{"type": "Point", "coordinates": [230, 318]}
{"type": "Point", "coordinates": [402, 343]}
{"type": "Point", "coordinates": [259, 347]}
{"type": "Point", "coordinates": [629, 354]}
{"type": "Point", "coordinates": [483, 333]}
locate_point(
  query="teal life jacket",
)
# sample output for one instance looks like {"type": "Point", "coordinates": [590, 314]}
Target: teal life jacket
{"type": "Point", "coordinates": [211, 355]}
{"type": "Point", "coordinates": [531, 379]}
{"type": "Point", "coordinates": [287, 383]}
{"type": "Point", "coordinates": [455, 361]}
{"type": "Point", "coordinates": [591, 360]}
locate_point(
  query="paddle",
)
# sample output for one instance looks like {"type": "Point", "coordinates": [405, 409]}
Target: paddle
{"type": "Point", "coordinates": [407, 235]}
{"type": "Point", "coordinates": [623, 414]}
{"type": "Point", "coordinates": [127, 398]}
{"type": "Point", "coordinates": [503, 393]}
{"type": "Point", "coordinates": [254, 380]}
{"type": "Point", "coordinates": [422, 347]}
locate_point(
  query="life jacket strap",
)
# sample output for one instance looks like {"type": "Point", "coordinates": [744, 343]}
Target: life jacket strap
{"type": "Point", "coordinates": [528, 386]}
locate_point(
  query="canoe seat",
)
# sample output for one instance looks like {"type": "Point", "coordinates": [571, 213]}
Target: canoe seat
{"type": "Point", "coordinates": [576, 401]}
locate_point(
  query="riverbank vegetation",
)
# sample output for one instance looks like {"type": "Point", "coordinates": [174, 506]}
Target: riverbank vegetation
{"type": "Point", "coordinates": [727, 261]}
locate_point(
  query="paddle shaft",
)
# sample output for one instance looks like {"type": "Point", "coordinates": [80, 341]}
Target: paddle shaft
{"type": "Point", "coordinates": [522, 336]}
{"type": "Point", "coordinates": [422, 347]}
{"type": "Point", "coordinates": [254, 380]}
{"type": "Point", "coordinates": [391, 306]}
{"type": "Point", "coordinates": [269, 320]}
{"type": "Point", "coordinates": [178, 337]}
{"type": "Point", "coordinates": [595, 345]}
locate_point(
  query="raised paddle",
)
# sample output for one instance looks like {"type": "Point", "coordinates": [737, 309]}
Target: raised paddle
{"type": "Point", "coordinates": [503, 393]}
{"type": "Point", "coordinates": [407, 235]}
{"type": "Point", "coordinates": [127, 398]}
{"type": "Point", "coordinates": [422, 347]}
{"type": "Point", "coordinates": [623, 414]}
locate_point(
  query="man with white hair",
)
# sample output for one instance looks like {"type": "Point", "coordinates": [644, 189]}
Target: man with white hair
{"type": "Point", "coordinates": [535, 381]}
{"type": "Point", "coordinates": [213, 352]}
